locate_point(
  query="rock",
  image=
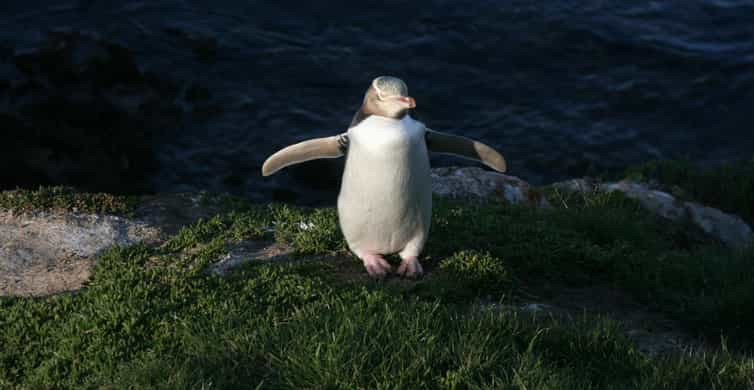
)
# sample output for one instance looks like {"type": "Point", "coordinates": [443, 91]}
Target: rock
{"type": "Point", "coordinates": [475, 182]}
{"type": "Point", "coordinates": [728, 228]}
{"type": "Point", "coordinates": [658, 202]}
{"type": "Point", "coordinates": [250, 250]}
{"type": "Point", "coordinates": [46, 253]}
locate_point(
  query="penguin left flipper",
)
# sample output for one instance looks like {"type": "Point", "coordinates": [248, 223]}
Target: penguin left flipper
{"type": "Point", "coordinates": [327, 147]}
{"type": "Point", "coordinates": [438, 142]}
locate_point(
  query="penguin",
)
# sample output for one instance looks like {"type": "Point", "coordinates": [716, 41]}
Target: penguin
{"type": "Point", "coordinates": [385, 200]}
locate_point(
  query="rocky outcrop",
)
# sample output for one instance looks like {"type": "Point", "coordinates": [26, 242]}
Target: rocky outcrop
{"type": "Point", "coordinates": [472, 182]}
{"type": "Point", "coordinates": [728, 228]}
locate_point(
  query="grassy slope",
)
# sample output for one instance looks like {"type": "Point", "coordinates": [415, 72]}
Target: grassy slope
{"type": "Point", "coordinates": [729, 187]}
{"type": "Point", "coordinates": [152, 317]}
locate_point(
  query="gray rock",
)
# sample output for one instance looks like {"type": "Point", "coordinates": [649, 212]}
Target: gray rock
{"type": "Point", "coordinates": [473, 182]}
{"type": "Point", "coordinates": [658, 202]}
{"type": "Point", "coordinates": [730, 229]}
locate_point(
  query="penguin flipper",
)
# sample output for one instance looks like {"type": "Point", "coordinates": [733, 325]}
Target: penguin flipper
{"type": "Point", "coordinates": [327, 147]}
{"type": "Point", "coordinates": [438, 142]}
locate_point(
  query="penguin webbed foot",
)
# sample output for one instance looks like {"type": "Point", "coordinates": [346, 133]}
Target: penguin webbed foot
{"type": "Point", "coordinates": [410, 268]}
{"type": "Point", "coordinates": [376, 266]}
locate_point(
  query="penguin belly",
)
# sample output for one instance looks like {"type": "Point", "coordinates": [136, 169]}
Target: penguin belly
{"type": "Point", "coordinates": [385, 201]}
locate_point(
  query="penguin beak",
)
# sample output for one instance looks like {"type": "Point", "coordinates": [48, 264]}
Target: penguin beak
{"type": "Point", "coordinates": [408, 101]}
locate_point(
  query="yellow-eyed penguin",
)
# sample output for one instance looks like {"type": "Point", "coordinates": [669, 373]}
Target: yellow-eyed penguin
{"type": "Point", "coordinates": [385, 201]}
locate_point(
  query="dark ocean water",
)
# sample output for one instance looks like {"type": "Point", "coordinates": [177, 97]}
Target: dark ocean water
{"type": "Point", "coordinates": [561, 88]}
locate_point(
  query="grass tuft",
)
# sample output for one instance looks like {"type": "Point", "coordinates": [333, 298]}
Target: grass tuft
{"type": "Point", "coordinates": [308, 231]}
{"type": "Point", "coordinates": [476, 273]}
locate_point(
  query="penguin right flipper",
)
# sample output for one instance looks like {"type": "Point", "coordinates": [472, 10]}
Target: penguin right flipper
{"type": "Point", "coordinates": [327, 147]}
{"type": "Point", "coordinates": [438, 142]}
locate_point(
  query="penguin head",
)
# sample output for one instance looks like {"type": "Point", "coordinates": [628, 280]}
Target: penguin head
{"type": "Point", "coordinates": [388, 97]}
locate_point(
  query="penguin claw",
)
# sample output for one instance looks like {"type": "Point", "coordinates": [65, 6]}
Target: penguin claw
{"type": "Point", "coordinates": [410, 268]}
{"type": "Point", "coordinates": [376, 266]}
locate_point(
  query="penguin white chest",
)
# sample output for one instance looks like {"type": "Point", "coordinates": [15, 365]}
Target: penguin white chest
{"type": "Point", "coordinates": [385, 201]}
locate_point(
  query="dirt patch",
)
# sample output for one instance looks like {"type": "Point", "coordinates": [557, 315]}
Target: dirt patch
{"type": "Point", "coordinates": [47, 277]}
{"type": "Point", "coordinates": [47, 253]}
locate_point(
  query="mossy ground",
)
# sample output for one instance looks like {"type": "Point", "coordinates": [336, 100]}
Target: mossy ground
{"type": "Point", "coordinates": [66, 199]}
{"type": "Point", "coordinates": [152, 317]}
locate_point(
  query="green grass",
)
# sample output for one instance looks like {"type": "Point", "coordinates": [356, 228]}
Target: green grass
{"type": "Point", "coordinates": [729, 187]}
{"type": "Point", "coordinates": [152, 317]}
{"type": "Point", "coordinates": [66, 199]}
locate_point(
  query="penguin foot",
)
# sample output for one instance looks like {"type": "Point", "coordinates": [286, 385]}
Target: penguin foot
{"type": "Point", "coordinates": [376, 266]}
{"type": "Point", "coordinates": [410, 268]}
